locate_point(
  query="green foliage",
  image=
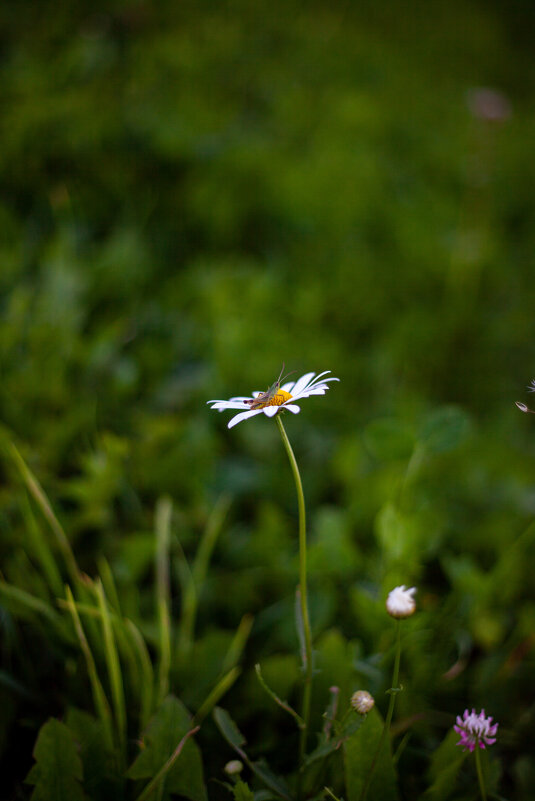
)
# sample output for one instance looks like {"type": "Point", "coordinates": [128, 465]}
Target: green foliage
{"type": "Point", "coordinates": [444, 768]}
{"type": "Point", "coordinates": [444, 429]}
{"type": "Point", "coordinates": [359, 751]}
{"type": "Point", "coordinates": [58, 770]}
{"type": "Point", "coordinates": [194, 193]}
{"type": "Point", "coordinates": [102, 780]}
{"type": "Point", "coordinates": [235, 738]}
{"type": "Point", "coordinates": [166, 729]}
{"type": "Point", "coordinates": [242, 792]}
{"type": "Point", "coordinates": [389, 439]}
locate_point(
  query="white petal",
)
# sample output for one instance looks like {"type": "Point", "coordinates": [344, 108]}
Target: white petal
{"type": "Point", "coordinates": [307, 393]}
{"type": "Point", "coordinates": [288, 386]}
{"type": "Point", "coordinates": [302, 382]}
{"type": "Point", "coordinates": [270, 411]}
{"type": "Point", "coordinates": [227, 405]}
{"type": "Point", "coordinates": [242, 416]}
{"type": "Point", "coordinates": [320, 375]}
{"type": "Point", "coordinates": [322, 381]}
{"type": "Point", "coordinates": [292, 408]}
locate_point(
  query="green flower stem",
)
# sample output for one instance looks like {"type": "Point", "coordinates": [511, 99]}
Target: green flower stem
{"type": "Point", "coordinates": [303, 591]}
{"type": "Point", "coordinates": [480, 774]}
{"type": "Point", "coordinates": [386, 728]}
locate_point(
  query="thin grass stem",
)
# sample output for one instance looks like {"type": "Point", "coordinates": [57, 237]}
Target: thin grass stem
{"type": "Point", "coordinates": [114, 669]}
{"type": "Point", "coordinates": [42, 549]}
{"type": "Point", "coordinates": [29, 601]}
{"type": "Point", "coordinates": [99, 696]}
{"type": "Point", "coordinates": [164, 510]}
{"type": "Point", "coordinates": [39, 496]}
{"type": "Point", "coordinates": [147, 673]}
{"type": "Point", "coordinates": [192, 580]}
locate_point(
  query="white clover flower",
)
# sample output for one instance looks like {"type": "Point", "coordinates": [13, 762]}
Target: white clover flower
{"type": "Point", "coordinates": [400, 602]}
{"type": "Point", "coordinates": [362, 702]}
{"type": "Point", "coordinates": [276, 398]}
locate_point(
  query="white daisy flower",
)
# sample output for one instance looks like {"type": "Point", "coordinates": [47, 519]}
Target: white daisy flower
{"type": "Point", "coordinates": [400, 602]}
{"type": "Point", "coordinates": [276, 398]}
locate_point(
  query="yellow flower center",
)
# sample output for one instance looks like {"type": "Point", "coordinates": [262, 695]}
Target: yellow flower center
{"type": "Point", "coordinates": [278, 399]}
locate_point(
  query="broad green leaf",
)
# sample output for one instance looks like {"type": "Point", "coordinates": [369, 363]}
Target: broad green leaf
{"type": "Point", "coordinates": [101, 779]}
{"type": "Point", "coordinates": [444, 429]}
{"type": "Point", "coordinates": [165, 730]}
{"type": "Point", "coordinates": [58, 770]}
{"type": "Point", "coordinates": [389, 438]}
{"type": "Point", "coordinates": [359, 751]}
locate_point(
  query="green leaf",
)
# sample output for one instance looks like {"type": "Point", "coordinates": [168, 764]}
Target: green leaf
{"type": "Point", "coordinates": [359, 751]}
{"type": "Point", "coordinates": [165, 730]}
{"type": "Point", "coordinates": [228, 728]}
{"type": "Point", "coordinates": [101, 778]}
{"type": "Point", "coordinates": [396, 532]}
{"type": "Point", "coordinates": [389, 438]}
{"type": "Point", "coordinates": [242, 792]}
{"type": "Point", "coordinates": [445, 765]}
{"type": "Point", "coordinates": [444, 429]}
{"type": "Point", "coordinates": [58, 770]}
{"type": "Point", "coordinates": [327, 747]}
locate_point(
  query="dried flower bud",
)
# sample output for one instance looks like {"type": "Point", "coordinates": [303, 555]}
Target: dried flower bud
{"type": "Point", "coordinates": [233, 767]}
{"type": "Point", "coordinates": [400, 603]}
{"type": "Point", "coordinates": [362, 702]}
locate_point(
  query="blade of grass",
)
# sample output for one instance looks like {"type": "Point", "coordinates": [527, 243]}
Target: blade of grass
{"type": "Point", "coordinates": [164, 510]}
{"type": "Point", "coordinates": [104, 571]}
{"type": "Point", "coordinates": [131, 643]}
{"type": "Point", "coordinates": [30, 602]}
{"type": "Point", "coordinates": [114, 669]}
{"type": "Point", "coordinates": [99, 696]}
{"type": "Point", "coordinates": [218, 692]}
{"type": "Point", "coordinates": [147, 674]}
{"type": "Point", "coordinates": [188, 610]}
{"type": "Point", "coordinates": [39, 496]}
{"type": "Point", "coordinates": [235, 650]}
{"type": "Point", "coordinates": [209, 538]}
{"type": "Point", "coordinates": [192, 581]}
{"type": "Point", "coordinates": [164, 770]}
{"type": "Point", "coordinates": [41, 549]}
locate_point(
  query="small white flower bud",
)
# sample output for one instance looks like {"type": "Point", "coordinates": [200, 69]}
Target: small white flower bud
{"type": "Point", "coordinates": [233, 767]}
{"type": "Point", "coordinates": [400, 603]}
{"type": "Point", "coordinates": [362, 702]}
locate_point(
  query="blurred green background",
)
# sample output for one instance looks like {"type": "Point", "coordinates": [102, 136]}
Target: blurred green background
{"type": "Point", "coordinates": [197, 192]}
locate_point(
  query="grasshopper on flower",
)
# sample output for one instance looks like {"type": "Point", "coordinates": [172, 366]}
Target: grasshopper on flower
{"type": "Point", "coordinates": [269, 398]}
